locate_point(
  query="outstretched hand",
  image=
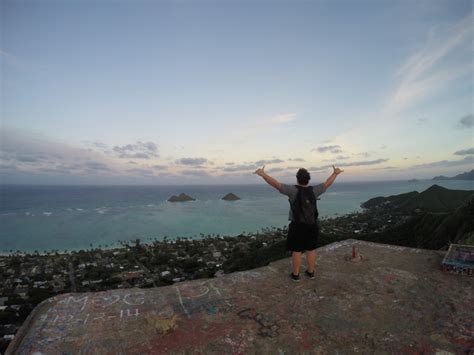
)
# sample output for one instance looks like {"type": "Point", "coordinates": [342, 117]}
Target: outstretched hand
{"type": "Point", "coordinates": [260, 171]}
{"type": "Point", "coordinates": [337, 171]}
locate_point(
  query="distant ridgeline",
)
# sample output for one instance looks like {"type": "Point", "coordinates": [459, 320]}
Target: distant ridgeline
{"type": "Point", "coordinates": [433, 199]}
{"type": "Point", "coordinates": [438, 217]}
{"type": "Point", "coordinates": [464, 176]}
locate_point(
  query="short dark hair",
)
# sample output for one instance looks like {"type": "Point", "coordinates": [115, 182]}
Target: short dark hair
{"type": "Point", "coordinates": [302, 176]}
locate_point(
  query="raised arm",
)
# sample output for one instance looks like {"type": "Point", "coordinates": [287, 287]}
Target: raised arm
{"type": "Point", "coordinates": [271, 181]}
{"type": "Point", "coordinates": [332, 177]}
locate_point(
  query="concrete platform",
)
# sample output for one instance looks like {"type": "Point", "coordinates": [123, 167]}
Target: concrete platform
{"type": "Point", "coordinates": [395, 300]}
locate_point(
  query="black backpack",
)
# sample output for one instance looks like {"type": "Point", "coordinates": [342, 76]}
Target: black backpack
{"type": "Point", "coordinates": [304, 207]}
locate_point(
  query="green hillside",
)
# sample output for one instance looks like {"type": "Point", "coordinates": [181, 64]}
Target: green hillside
{"type": "Point", "coordinates": [433, 199]}
{"type": "Point", "coordinates": [436, 199]}
{"type": "Point", "coordinates": [431, 230]}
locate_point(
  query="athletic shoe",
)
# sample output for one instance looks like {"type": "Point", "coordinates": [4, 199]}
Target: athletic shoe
{"type": "Point", "coordinates": [295, 277]}
{"type": "Point", "coordinates": [309, 274]}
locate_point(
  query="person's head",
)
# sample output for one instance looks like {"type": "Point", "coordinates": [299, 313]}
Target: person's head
{"type": "Point", "coordinates": [303, 177]}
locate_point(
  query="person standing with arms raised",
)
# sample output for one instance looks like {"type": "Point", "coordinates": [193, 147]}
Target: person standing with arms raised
{"type": "Point", "coordinates": [303, 230]}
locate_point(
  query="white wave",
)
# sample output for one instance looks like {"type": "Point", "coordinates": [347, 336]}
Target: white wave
{"type": "Point", "coordinates": [47, 214]}
{"type": "Point", "coordinates": [101, 210]}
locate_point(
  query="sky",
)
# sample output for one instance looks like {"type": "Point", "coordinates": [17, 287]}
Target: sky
{"type": "Point", "coordinates": [205, 92]}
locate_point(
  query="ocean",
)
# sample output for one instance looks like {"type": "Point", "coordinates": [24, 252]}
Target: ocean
{"type": "Point", "coordinates": [46, 218]}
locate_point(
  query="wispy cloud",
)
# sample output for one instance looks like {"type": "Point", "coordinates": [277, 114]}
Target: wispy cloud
{"type": "Point", "coordinates": [364, 154]}
{"type": "Point", "coordinates": [95, 165]}
{"type": "Point", "coordinates": [239, 167]}
{"type": "Point", "coordinates": [199, 173]}
{"type": "Point", "coordinates": [418, 76]}
{"type": "Point", "coordinates": [468, 160]}
{"type": "Point", "coordinates": [466, 121]}
{"type": "Point", "coordinates": [141, 172]}
{"type": "Point", "coordinates": [277, 119]}
{"type": "Point", "coordinates": [355, 163]}
{"type": "Point", "coordinates": [441, 59]}
{"type": "Point", "coordinates": [362, 163]}
{"type": "Point", "coordinates": [469, 151]}
{"type": "Point", "coordinates": [276, 170]}
{"type": "Point", "coordinates": [192, 161]}
{"type": "Point", "coordinates": [139, 150]}
{"type": "Point", "coordinates": [335, 149]}
{"type": "Point", "coordinates": [271, 161]}
{"type": "Point", "coordinates": [386, 168]}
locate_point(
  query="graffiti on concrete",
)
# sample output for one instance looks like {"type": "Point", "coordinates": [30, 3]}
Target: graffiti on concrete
{"type": "Point", "coordinates": [267, 328]}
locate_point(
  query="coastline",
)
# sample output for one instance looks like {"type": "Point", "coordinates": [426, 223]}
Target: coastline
{"type": "Point", "coordinates": [29, 278]}
{"type": "Point", "coordinates": [104, 215]}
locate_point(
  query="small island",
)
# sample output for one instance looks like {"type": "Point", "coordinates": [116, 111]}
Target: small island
{"type": "Point", "coordinates": [231, 197]}
{"type": "Point", "coordinates": [181, 198]}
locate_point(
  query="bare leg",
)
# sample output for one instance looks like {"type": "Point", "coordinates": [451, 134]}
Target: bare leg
{"type": "Point", "coordinates": [296, 257]}
{"type": "Point", "coordinates": [311, 260]}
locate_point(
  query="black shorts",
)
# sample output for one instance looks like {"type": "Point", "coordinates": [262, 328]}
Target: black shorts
{"type": "Point", "coordinates": [302, 236]}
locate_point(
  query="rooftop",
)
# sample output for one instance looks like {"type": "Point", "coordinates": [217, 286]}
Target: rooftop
{"type": "Point", "coordinates": [395, 299]}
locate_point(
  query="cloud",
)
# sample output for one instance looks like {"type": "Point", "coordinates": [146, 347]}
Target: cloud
{"type": "Point", "coordinates": [30, 149]}
{"type": "Point", "coordinates": [445, 56]}
{"type": "Point", "coordinates": [386, 168]}
{"type": "Point", "coordinates": [365, 154]}
{"type": "Point", "coordinates": [362, 163]}
{"type": "Point", "coordinates": [95, 165]}
{"type": "Point", "coordinates": [99, 145]}
{"type": "Point", "coordinates": [56, 170]}
{"type": "Point", "coordinates": [273, 161]}
{"type": "Point", "coordinates": [250, 166]}
{"type": "Point", "coordinates": [38, 159]}
{"type": "Point", "coordinates": [139, 150]}
{"type": "Point", "coordinates": [417, 77]}
{"type": "Point", "coordinates": [277, 120]}
{"type": "Point", "coordinates": [191, 161]}
{"type": "Point", "coordinates": [239, 167]}
{"type": "Point", "coordinates": [355, 163]}
{"type": "Point", "coordinates": [29, 158]}
{"type": "Point", "coordinates": [328, 148]}
{"type": "Point", "coordinates": [469, 160]}
{"type": "Point", "coordinates": [275, 170]}
{"type": "Point", "coordinates": [142, 172]}
{"type": "Point", "coordinates": [296, 159]}
{"type": "Point", "coordinates": [200, 173]}
{"type": "Point", "coordinates": [8, 167]}
{"type": "Point", "coordinates": [160, 167]}
{"type": "Point", "coordinates": [469, 151]}
{"type": "Point", "coordinates": [339, 157]}
{"type": "Point", "coordinates": [466, 121]}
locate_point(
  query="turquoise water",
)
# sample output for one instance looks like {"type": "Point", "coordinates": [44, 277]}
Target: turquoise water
{"type": "Point", "coordinates": [72, 217]}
